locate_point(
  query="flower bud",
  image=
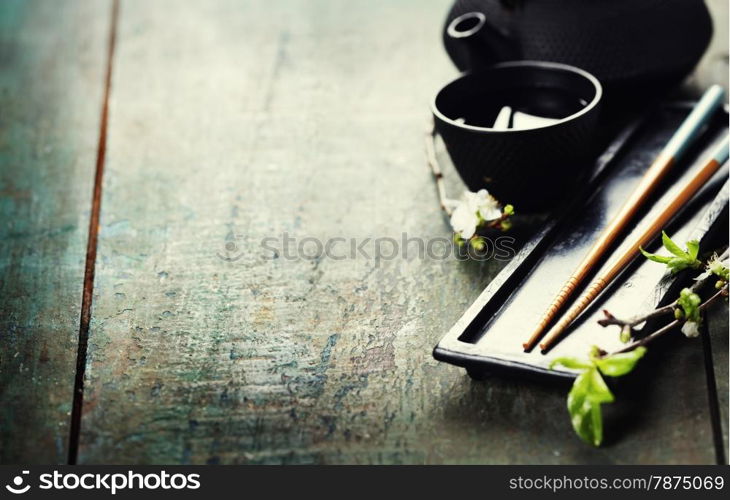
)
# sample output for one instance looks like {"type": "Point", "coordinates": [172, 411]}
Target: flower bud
{"type": "Point", "coordinates": [625, 335]}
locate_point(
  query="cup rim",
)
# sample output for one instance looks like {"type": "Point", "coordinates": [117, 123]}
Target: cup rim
{"type": "Point", "coordinates": [539, 64]}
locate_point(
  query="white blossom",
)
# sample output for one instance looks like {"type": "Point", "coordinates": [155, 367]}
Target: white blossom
{"type": "Point", "coordinates": [464, 221]}
{"type": "Point", "coordinates": [690, 329]}
{"type": "Point", "coordinates": [714, 266]}
{"type": "Point", "coordinates": [483, 204]}
{"type": "Point", "coordinates": [473, 209]}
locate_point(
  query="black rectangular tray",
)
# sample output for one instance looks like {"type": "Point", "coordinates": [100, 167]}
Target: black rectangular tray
{"type": "Point", "coordinates": [488, 337]}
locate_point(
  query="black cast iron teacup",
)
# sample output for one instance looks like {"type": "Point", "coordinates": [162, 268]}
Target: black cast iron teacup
{"type": "Point", "coordinates": [523, 130]}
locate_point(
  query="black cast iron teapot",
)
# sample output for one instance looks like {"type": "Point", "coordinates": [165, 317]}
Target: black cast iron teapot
{"type": "Point", "coordinates": [626, 44]}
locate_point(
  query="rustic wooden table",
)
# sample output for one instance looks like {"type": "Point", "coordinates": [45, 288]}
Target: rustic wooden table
{"type": "Point", "coordinates": [230, 122]}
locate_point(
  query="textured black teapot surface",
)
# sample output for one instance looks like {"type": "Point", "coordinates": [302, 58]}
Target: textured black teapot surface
{"type": "Point", "coordinates": [625, 43]}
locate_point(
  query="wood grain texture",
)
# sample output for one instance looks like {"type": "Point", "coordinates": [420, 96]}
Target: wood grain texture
{"type": "Point", "coordinates": [232, 122]}
{"type": "Point", "coordinates": [51, 78]}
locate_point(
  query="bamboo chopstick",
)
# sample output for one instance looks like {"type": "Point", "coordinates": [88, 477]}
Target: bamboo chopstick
{"type": "Point", "coordinates": [687, 132]}
{"type": "Point", "coordinates": [717, 158]}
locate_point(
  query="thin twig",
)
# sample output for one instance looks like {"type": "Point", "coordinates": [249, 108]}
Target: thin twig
{"type": "Point", "coordinates": [496, 223]}
{"type": "Point", "coordinates": [438, 176]}
{"type": "Point", "coordinates": [653, 336]}
{"type": "Point", "coordinates": [610, 319]}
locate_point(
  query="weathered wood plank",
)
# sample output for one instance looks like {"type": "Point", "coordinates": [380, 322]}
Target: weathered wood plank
{"type": "Point", "coordinates": [713, 69]}
{"type": "Point", "coordinates": [52, 57]}
{"type": "Point", "coordinates": [717, 68]}
{"type": "Point", "coordinates": [718, 328]}
{"type": "Point", "coordinates": [232, 122]}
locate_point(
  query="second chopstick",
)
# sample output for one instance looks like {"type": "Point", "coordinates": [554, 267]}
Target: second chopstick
{"type": "Point", "coordinates": [685, 135]}
{"type": "Point", "coordinates": [712, 164]}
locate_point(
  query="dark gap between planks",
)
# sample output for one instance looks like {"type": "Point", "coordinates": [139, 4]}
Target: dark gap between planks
{"type": "Point", "coordinates": [715, 417]}
{"type": "Point", "coordinates": [87, 297]}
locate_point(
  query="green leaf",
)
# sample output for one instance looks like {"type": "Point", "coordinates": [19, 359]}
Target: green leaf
{"type": "Point", "coordinates": [693, 248]}
{"type": "Point", "coordinates": [578, 393]}
{"type": "Point", "coordinates": [572, 363]}
{"type": "Point", "coordinates": [676, 264]}
{"type": "Point", "coordinates": [599, 391]}
{"type": "Point", "coordinates": [672, 246]}
{"type": "Point", "coordinates": [589, 391]}
{"type": "Point", "coordinates": [596, 424]}
{"type": "Point", "coordinates": [680, 259]}
{"type": "Point", "coordinates": [620, 364]}
{"type": "Point", "coordinates": [654, 257]}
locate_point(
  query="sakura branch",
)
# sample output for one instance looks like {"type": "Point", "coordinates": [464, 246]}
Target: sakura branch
{"type": "Point", "coordinates": [474, 212]}
{"type": "Point", "coordinates": [589, 390]}
{"type": "Point", "coordinates": [685, 308]}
